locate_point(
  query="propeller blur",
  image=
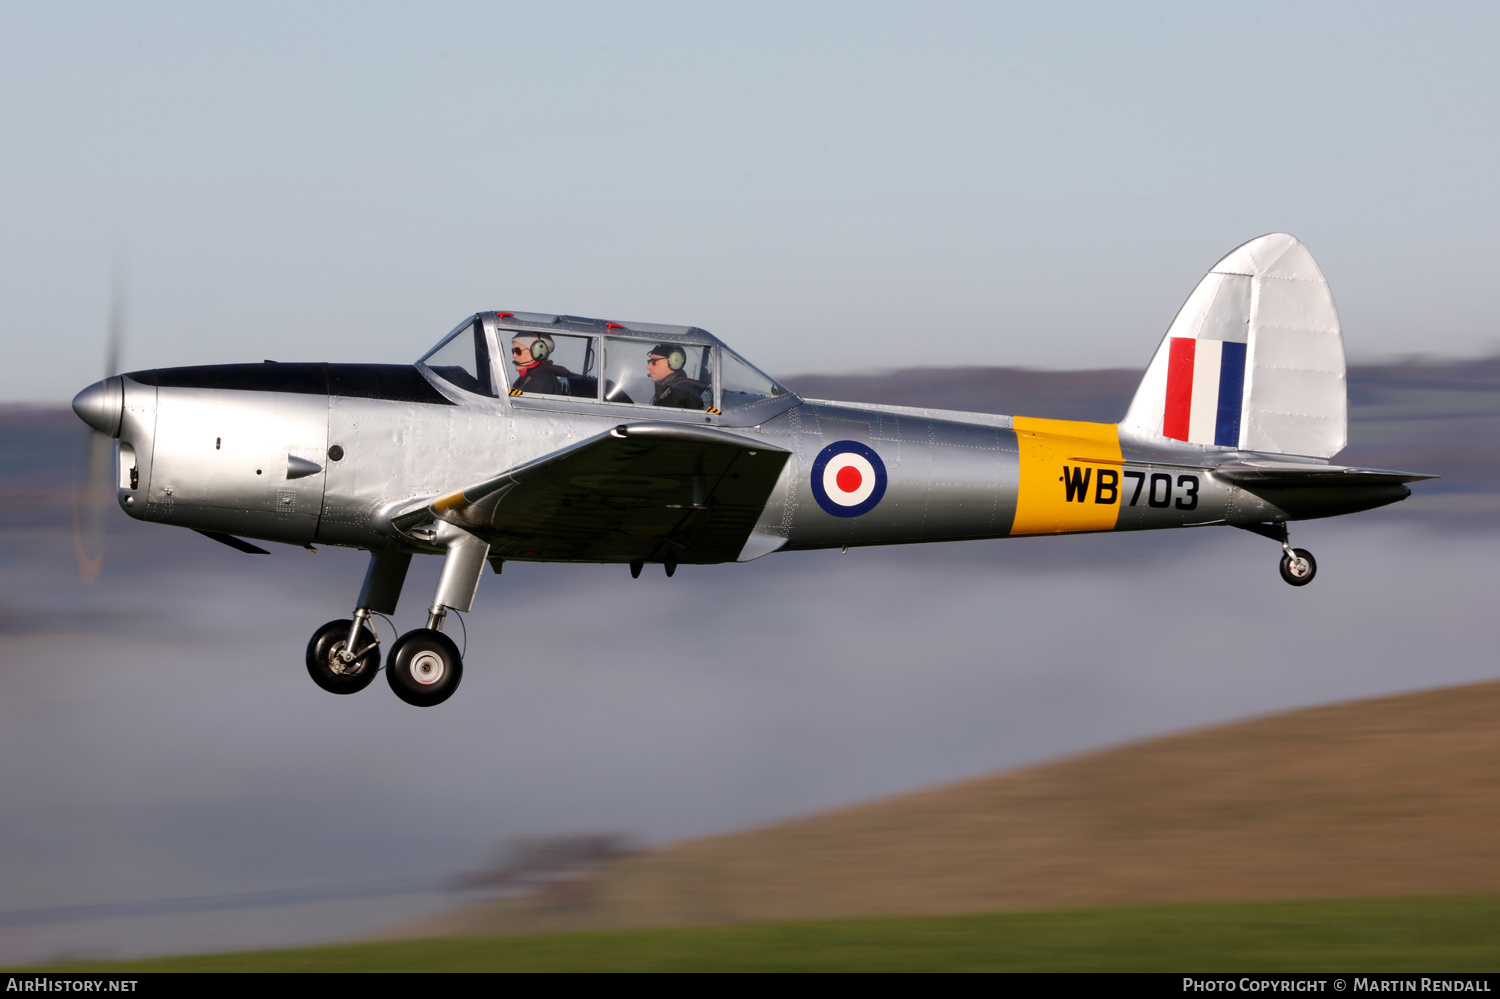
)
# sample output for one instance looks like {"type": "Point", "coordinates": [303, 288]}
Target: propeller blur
{"type": "Point", "coordinates": [94, 488]}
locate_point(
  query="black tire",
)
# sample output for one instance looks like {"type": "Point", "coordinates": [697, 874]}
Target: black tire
{"type": "Point", "coordinates": [424, 667]}
{"type": "Point", "coordinates": [1299, 575]}
{"type": "Point", "coordinates": [332, 674]}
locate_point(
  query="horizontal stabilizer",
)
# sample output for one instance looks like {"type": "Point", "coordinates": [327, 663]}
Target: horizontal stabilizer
{"type": "Point", "coordinates": [1304, 490]}
{"type": "Point", "coordinates": [1247, 473]}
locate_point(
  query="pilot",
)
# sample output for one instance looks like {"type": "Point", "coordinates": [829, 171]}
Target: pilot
{"type": "Point", "coordinates": [535, 372]}
{"type": "Point", "coordinates": [673, 388]}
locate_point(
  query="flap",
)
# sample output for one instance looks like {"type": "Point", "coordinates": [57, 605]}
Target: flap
{"type": "Point", "coordinates": [656, 492]}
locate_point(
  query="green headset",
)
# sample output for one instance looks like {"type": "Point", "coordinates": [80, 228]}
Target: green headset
{"type": "Point", "coordinates": [540, 349]}
{"type": "Point", "coordinates": [676, 356]}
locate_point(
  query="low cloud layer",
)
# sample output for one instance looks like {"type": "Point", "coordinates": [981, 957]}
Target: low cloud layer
{"type": "Point", "coordinates": [188, 753]}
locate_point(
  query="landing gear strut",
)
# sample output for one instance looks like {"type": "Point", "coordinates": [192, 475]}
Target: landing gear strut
{"type": "Point", "coordinates": [425, 666]}
{"type": "Point", "coordinates": [1298, 567]}
{"type": "Point", "coordinates": [344, 656]}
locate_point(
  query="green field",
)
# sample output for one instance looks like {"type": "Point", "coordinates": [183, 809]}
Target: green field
{"type": "Point", "coordinates": [1365, 935]}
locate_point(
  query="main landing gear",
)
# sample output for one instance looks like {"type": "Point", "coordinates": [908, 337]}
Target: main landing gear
{"type": "Point", "coordinates": [1298, 567]}
{"type": "Point", "coordinates": [336, 672]}
{"type": "Point", "coordinates": [423, 667]}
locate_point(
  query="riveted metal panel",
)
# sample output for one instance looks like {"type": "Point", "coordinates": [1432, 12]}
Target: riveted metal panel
{"type": "Point", "coordinates": [945, 480]}
{"type": "Point", "coordinates": [220, 462]}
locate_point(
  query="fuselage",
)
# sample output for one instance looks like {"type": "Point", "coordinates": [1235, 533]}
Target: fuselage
{"type": "Point", "coordinates": [336, 454]}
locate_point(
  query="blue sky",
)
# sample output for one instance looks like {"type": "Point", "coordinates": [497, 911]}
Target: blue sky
{"type": "Point", "coordinates": [829, 187]}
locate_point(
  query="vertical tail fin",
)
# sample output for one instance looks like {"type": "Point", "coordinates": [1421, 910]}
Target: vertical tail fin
{"type": "Point", "coordinates": [1254, 360]}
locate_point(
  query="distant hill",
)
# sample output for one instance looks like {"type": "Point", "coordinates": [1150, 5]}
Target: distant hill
{"type": "Point", "coordinates": [1394, 796]}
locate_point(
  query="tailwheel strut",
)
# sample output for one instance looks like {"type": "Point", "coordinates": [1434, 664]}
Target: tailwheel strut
{"type": "Point", "coordinates": [1298, 567]}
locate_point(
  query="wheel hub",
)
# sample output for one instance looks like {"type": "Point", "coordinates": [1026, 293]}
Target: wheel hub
{"type": "Point", "coordinates": [340, 663]}
{"type": "Point", "coordinates": [427, 668]}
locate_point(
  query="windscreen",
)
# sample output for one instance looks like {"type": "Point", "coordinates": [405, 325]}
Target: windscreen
{"type": "Point", "coordinates": [744, 386]}
{"type": "Point", "coordinates": [463, 360]}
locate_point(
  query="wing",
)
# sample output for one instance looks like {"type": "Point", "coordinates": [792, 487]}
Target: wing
{"type": "Point", "coordinates": [656, 492]}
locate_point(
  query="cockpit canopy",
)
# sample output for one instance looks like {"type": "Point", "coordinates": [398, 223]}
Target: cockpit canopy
{"type": "Point", "coordinates": [591, 363]}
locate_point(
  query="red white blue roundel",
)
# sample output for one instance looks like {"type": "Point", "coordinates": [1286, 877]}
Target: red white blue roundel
{"type": "Point", "coordinates": [848, 479]}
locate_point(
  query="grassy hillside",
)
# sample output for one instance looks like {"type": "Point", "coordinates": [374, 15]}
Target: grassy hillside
{"type": "Point", "coordinates": [1419, 934]}
{"type": "Point", "coordinates": [1398, 796]}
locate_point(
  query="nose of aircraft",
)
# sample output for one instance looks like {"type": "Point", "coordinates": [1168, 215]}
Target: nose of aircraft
{"type": "Point", "coordinates": [102, 405]}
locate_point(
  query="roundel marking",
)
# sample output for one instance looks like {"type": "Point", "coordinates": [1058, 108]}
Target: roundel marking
{"type": "Point", "coordinates": [848, 479]}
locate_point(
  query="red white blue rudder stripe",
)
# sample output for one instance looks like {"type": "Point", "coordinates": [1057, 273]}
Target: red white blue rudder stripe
{"type": "Point", "coordinates": [1205, 391]}
{"type": "Point", "coordinates": [1253, 361]}
{"type": "Point", "coordinates": [848, 479]}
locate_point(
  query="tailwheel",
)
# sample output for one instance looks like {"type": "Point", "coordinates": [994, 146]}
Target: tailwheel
{"type": "Point", "coordinates": [329, 668]}
{"type": "Point", "coordinates": [424, 667]}
{"type": "Point", "coordinates": [1298, 567]}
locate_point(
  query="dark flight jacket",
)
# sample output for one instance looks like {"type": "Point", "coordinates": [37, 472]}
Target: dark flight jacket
{"type": "Point", "coordinates": [678, 391]}
{"type": "Point", "coordinates": [545, 378]}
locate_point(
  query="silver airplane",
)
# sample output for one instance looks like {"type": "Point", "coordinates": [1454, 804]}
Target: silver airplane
{"type": "Point", "coordinates": [552, 438]}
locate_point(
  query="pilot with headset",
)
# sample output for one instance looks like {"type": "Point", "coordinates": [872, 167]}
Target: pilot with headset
{"type": "Point", "coordinates": [673, 388]}
{"type": "Point", "coordinates": [535, 372]}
